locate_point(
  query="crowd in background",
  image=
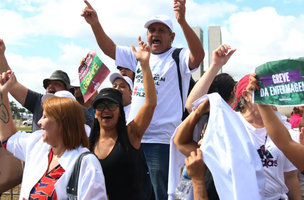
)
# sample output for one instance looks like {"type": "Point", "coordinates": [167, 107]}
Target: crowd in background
{"type": "Point", "coordinates": [137, 135]}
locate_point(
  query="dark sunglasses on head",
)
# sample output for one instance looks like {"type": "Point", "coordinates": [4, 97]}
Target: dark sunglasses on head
{"type": "Point", "coordinates": [110, 106]}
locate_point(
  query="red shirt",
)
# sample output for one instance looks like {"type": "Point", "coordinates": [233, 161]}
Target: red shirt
{"type": "Point", "coordinates": [295, 120]}
{"type": "Point", "coordinates": [45, 188]}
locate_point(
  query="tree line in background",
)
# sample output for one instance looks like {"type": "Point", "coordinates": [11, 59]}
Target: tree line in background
{"type": "Point", "coordinates": [19, 113]}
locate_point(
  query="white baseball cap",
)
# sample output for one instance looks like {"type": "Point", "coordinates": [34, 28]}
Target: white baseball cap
{"type": "Point", "coordinates": [76, 83]}
{"type": "Point", "coordinates": [161, 19]}
{"type": "Point", "coordinates": [115, 76]}
{"type": "Point", "coordinates": [62, 93]}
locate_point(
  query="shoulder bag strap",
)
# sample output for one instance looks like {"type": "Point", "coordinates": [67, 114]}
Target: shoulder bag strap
{"type": "Point", "coordinates": [73, 182]}
{"type": "Point", "coordinates": [175, 56]}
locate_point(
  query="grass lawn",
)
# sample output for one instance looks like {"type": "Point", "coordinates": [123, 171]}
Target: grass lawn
{"type": "Point", "coordinates": [25, 128]}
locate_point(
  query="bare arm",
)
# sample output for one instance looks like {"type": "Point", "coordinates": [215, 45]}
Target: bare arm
{"type": "Point", "coordinates": [105, 43]}
{"type": "Point", "coordinates": [292, 183]}
{"type": "Point", "coordinates": [195, 45]}
{"type": "Point", "coordinates": [144, 116]}
{"type": "Point", "coordinates": [184, 135]}
{"type": "Point", "coordinates": [281, 137]}
{"type": "Point", "coordinates": [3, 62]}
{"type": "Point", "coordinates": [7, 126]}
{"type": "Point", "coordinates": [196, 169]}
{"type": "Point", "coordinates": [17, 90]}
{"type": "Point", "coordinates": [277, 131]}
{"type": "Point", "coordinates": [220, 58]}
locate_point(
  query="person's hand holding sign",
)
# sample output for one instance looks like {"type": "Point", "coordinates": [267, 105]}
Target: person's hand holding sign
{"type": "Point", "coordinates": [89, 14]}
{"type": "Point", "coordinates": [253, 84]}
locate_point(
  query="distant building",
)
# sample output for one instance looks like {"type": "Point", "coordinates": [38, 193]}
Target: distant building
{"type": "Point", "coordinates": [200, 71]}
{"type": "Point", "coordinates": [214, 41]}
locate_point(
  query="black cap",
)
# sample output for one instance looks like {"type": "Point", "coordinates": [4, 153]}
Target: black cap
{"type": "Point", "coordinates": [58, 75]}
{"type": "Point", "coordinates": [110, 94]}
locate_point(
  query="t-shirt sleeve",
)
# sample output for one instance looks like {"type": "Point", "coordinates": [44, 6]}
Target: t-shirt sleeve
{"type": "Point", "coordinates": [125, 58]}
{"type": "Point", "coordinates": [288, 166]}
{"type": "Point", "coordinates": [32, 100]}
{"type": "Point", "coordinates": [21, 142]}
{"type": "Point", "coordinates": [91, 185]}
{"type": "Point", "coordinates": [184, 61]}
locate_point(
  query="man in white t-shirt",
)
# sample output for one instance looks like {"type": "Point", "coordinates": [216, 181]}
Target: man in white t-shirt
{"type": "Point", "coordinates": [168, 113]}
{"type": "Point", "coordinates": [125, 85]}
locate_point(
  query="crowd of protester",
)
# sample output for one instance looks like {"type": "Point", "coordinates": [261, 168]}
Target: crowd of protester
{"type": "Point", "coordinates": [137, 137]}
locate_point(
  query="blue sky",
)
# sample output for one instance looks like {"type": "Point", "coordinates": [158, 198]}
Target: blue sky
{"type": "Point", "coordinates": [44, 35]}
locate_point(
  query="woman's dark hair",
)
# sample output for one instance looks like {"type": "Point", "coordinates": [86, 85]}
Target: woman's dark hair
{"type": "Point", "coordinates": [295, 110]}
{"type": "Point", "coordinates": [120, 127]}
{"type": "Point", "coordinates": [223, 84]}
{"type": "Point", "coordinates": [240, 105]}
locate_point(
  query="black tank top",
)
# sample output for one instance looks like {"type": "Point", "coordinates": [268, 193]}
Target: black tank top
{"type": "Point", "coordinates": [124, 171]}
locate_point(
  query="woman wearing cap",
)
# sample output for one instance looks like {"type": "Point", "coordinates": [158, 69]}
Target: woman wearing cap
{"type": "Point", "coordinates": [117, 145]}
{"type": "Point", "coordinates": [280, 173]}
{"type": "Point", "coordinates": [50, 153]}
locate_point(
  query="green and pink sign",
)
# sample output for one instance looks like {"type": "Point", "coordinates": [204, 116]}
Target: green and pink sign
{"type": "Point", "coordinates": [281, 83]}
{"type": "Point", "coordinates": [91, 75]}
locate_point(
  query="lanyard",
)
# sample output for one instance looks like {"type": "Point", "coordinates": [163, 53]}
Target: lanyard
{"type": "Point", "coordinates": [266, 137]}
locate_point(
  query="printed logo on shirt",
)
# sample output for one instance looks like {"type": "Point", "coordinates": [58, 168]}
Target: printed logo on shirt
{"type": "Point", "coordinates": [156, 77]}
{"type": "Point", "coordinates": [266, 158]}
{"type": "Point", "coordinates": [140, 92]}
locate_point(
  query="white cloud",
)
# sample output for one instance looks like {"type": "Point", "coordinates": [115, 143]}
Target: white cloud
{"type": "Point", "coordinates": [247, 9]}
{"type": "Point", "coordinates": [261, 36]}
{"type": "Point", "coordinates": [202, 14]}
{"type": "Point", "coordinates": [28, 8]}
{"type": "Point", "coordinates": [62, 17]}
{"type": "Point", "coordinates": [31, 71]}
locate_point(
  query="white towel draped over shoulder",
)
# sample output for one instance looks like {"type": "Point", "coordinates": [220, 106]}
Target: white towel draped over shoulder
{"type": "Point", "coordinates": [227, 151]}
{"type": "Point", "coordinates": [177, 161]}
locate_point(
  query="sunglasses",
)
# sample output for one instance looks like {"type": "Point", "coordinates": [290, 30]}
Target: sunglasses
{"type": "Point", "coordinates": [110, 106]}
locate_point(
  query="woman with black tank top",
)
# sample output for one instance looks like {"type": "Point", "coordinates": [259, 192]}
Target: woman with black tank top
{"type": "Point", "coordinates": [116, 144]}
{"type": "Point", "coordinates": [223, 84]}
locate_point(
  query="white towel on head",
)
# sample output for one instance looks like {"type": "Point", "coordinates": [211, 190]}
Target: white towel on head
{"type": "Point", "coordinates": [227, 151]}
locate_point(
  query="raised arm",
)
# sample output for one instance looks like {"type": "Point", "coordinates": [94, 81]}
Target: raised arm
{"type": "Point", "coordinates": [278, 132]}
{"type": "Point", "coordinates": [138, 126]}
{"type": "Point", "coordinates": [184, 135]}
{"type": "Point", "coordinates": [17, 90]}
{"type": "Point", "coordinates": [292, 183]}
{"type": "Point", "coordinates": [7, 126]}
{"type": "Point", "coordinates": [220, 58]}
{"type": "Point", "coordinates": [195, 45]}
{"type": "Point", "coordinates": [104, 42]}
{"type": "Point", "coordinates": [196, 169]}
{"type": "Point", "coordinates": [281, 137]}
{"type": "Point", "coordinates": [3, 62]}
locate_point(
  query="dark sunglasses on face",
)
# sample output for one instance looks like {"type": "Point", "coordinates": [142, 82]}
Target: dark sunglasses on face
{"type": "Point", "coordinates": [110, 106]}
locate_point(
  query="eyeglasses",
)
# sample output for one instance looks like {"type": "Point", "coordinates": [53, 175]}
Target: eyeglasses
{"type": "Point", "coordinates": [110, 106]}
